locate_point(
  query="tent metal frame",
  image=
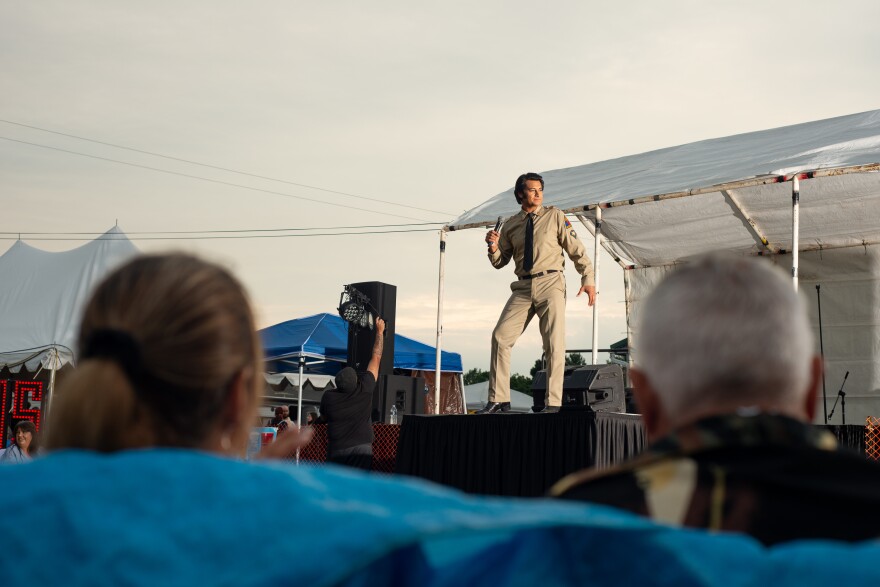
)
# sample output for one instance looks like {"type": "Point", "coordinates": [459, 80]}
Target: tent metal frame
{"type": "Point", "coordinates": [301, 364]}
{"type": "Point", "coordinates": [731, 185]}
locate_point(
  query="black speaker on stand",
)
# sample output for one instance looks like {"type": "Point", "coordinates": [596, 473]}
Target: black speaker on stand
{"type": "Point", "coordinates": [383, 301]}
{"type": "Point", "coordinates": [407, 393]}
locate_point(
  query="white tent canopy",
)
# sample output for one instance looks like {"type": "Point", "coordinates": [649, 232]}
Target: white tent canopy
{"type": "Point", "coordinates": [705, 168]}
{"type": "Point", "coordinates": [42, 295]}
{"type": "Point", "coordinates": [477, 396]}
{"type": "Point", "coordinates": [736, 194]}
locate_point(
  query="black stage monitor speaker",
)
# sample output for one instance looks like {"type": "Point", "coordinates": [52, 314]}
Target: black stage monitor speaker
{"type": "Point", "coordinates": [407, 393]}
{"type": "Point", "coordinates": [383, 298]}
{"type": "Point", "coordinates": [586, 387]}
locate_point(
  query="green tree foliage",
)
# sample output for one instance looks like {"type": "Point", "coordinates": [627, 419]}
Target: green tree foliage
{"type": "Point", "coordinates": [475, 376]}
{"type": "Point", "coordinates": [575, 359]}
{"type": "Point", "coordinates": [521, 383]}
{"type": "Point", "coordinates": [538, 366]}
{"type": "Point", "coordinates": [570, 359]}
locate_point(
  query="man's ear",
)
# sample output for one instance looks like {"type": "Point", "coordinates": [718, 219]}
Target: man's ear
{"type": "Point", "coordinates": [648, 404]}
{"type": "Point", "coordinates": [812, 398]}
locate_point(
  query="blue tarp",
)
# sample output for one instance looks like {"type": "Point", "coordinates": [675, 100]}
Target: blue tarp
{"type": "Point", "coordinates": [325, 336]}
{"type": "Point", "coordinates": [178, 517]}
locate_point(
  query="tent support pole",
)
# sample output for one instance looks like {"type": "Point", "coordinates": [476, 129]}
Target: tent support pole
{"type": "Point", "coordinates": [299, 400]}
{"type": "Point", "coordinates": [463, 396]}
{"type": "Point", "coordinates": [795, 228]}
{"type": "Point", "coordinates": [627, 294]}
{"type": "Point", "coordinates": [442, 275]}
{"type": "Point", "coordinates": [598, 241]}
{"type": "Point", "coordinates": [51, 393]}
{"type": "Point", "coordinates": [591, 229]}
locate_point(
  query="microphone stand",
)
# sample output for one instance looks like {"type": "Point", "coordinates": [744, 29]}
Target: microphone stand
{"type": "Point", "coordinates": [840, 396]}
{"type": "Point", "coordinates": [822, 354]}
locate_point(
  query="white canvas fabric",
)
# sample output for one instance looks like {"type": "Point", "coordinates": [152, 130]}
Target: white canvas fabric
{"type": "Point", "coordinates": [317, 381]}
{"type": "Point", "coordinates": [42, 295]}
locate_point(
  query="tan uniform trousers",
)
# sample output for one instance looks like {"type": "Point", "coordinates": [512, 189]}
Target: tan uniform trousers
{"type": "Point", "coordinates": [544, 296]}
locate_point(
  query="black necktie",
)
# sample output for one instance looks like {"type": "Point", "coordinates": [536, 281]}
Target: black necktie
{"type": "Point", "coordinates": [528, 259]}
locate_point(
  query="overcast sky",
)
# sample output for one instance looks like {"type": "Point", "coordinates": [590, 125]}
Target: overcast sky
{"type": "Point", "coordinates": [435, 106]}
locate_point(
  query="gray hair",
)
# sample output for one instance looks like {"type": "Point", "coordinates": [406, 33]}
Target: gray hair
{"type": "Point", "coordinates": [725, 330]}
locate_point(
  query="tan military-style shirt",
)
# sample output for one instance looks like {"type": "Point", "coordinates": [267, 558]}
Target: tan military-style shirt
{"type": "Point", "coordinates": [553, 233]}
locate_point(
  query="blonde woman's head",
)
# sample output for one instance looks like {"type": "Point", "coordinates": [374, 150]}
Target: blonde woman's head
{"type": "Point", "coordinates": [168, 356]}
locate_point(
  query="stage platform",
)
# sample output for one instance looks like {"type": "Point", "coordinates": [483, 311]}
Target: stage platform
{"type": "Point", "coordinates": [514, 454]}
{"type": "Point", "coordinates": [519, 455]}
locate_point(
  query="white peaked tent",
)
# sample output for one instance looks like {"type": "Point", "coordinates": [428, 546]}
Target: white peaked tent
{"type": "Point", "coordinates": [477, 396]}
{"type": "Point", "coordinates": [805, 196]}
{"type": "Point", "coordinates": [42, 295]}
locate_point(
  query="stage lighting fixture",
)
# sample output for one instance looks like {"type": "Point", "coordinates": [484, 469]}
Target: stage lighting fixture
{"type": "Point", "coordinates": [355, 308]}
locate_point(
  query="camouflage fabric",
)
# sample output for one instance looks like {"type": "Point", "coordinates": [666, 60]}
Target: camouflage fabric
{"type": "Point", "coordinates": [767, 475]}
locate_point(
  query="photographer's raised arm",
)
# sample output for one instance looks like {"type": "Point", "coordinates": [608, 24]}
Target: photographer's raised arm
{"type": "Point", "coordinates": [378, 348]}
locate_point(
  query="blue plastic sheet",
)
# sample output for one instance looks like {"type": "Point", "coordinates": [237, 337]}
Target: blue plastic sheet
{"type": "Point", "coordinates": [174, 517]}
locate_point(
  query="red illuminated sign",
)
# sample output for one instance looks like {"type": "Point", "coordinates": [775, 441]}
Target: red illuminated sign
{"type": "Point", "coordinates": [15, 399]}
{"type": "Point", "coordinates": [5, 401]}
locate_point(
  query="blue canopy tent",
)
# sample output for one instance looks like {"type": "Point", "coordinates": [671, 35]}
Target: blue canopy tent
{"type": "Point", "coordinates": [319, 341]}
{"type": "Point", "coordinates": [319, 344]}
{"type": "Point", "coordinates": [322, 341]}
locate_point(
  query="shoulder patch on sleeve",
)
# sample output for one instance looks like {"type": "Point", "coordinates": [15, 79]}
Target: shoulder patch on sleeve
{"type": "Point", "coordinates": [573, 233]}
{"type": "Point", "coordinates": [567, 223]}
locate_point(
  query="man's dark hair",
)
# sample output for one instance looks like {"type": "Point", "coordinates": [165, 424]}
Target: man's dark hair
{"type": "Point", "coordinates": [521, 184]}
{"type": "Point", "coordinates": [346, 380]}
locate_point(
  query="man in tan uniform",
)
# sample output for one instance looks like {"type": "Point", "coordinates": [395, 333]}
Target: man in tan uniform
{"type": "Point", "coordinates": [535, 239]}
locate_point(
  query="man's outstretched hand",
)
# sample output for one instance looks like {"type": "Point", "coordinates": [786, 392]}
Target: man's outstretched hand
{"type": "Point", "coordinates": [590, 290]}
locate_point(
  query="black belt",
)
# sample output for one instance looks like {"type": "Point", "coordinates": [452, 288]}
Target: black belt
{"type": "Point", "coordinates": [541, 274]}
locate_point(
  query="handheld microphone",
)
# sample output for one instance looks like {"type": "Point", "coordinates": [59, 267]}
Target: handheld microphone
{"type": "Point", "coordinates": [498, 224]}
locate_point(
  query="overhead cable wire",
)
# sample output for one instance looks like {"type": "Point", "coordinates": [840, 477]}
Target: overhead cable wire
{"type": "Point", "coordinates": [220, 168]}
{"type": "Point", "coordinates": [229, 236]}
{"type": "Point", "coordinates": [236, 230]}
{"type": "Point", "coordinates": [208, 179]}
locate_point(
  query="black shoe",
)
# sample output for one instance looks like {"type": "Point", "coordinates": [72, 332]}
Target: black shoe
{"type": "Point", "coordinates": [544, 409]}
{"type": "Point", "coordinates": [493, 407]}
